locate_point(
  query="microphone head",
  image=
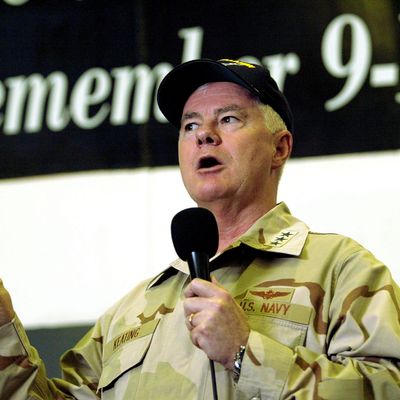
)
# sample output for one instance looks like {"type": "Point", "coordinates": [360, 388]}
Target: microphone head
{"type": "Point", "coordinates": [194, 230]}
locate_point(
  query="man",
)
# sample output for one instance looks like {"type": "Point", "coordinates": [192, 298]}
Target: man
{"type": "Point", "coordinates": [289, 314]}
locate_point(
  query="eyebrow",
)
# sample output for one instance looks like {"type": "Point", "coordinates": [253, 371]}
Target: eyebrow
{"type": "Point", "coordinates": [229, 107]}
{"type": "Point", "coordinates": [190, 115]}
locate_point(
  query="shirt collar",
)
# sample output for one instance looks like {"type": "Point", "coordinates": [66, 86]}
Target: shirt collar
{"type": "Point", "coordinates": [277, 231]}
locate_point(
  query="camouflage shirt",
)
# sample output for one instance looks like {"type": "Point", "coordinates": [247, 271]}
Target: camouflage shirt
{"type": "Point", "coordinates": [324, 317]}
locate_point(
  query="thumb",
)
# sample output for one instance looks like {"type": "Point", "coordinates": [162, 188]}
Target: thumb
{"type": "Point", "coordinates": [216, 282]}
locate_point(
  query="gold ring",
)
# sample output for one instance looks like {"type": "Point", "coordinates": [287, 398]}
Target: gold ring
{"type": "Point", "coordinates": [190, 318]}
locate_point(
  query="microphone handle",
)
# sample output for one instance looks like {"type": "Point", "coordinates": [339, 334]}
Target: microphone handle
{"type": "Point", "coordinates": [199, 268]}
{"type": "Point", "coordinates": [199, 265]}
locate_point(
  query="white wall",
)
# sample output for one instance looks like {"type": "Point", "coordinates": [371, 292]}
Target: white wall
{"type": "Point", "coordinates": [73, 244]}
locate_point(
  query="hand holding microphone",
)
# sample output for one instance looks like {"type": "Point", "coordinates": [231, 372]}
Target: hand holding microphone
{"type": "Point", "coordinates": [216, 322]}
{"type": "Point", "coordinates": [219, 325]}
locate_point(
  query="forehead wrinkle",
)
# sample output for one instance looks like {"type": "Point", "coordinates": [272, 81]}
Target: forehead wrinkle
{"type": "Point", "coordinates": [218, 111]}
{"type": "Point", "coordinates": [229, 107]}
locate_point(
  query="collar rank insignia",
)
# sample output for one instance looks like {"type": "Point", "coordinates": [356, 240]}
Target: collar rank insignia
{"type": "Point", "coordinates": [282, 238]}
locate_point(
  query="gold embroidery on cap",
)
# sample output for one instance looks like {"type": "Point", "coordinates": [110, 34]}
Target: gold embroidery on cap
{"type": "Point", "coordinates": [227, 61]}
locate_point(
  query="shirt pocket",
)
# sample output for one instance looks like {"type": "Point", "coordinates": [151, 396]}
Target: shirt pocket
{"type": "Point", "coordinates": [287, 323]}
{"type": "Point", "coordinates": [286, 332]}
{"type": "Point", "coordinates": [125, 352]}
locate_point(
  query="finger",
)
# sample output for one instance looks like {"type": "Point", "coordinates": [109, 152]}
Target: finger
{"type": "Point", "coordinates": [194, 339]}
{"type": "Point", "coordinates": [216, 282]}
{"type": "Point", "coordinates": [190, 322]}
{"type": "Point", "coordinates": [201, 288]}
{"type": "Point", "coordinates": [196, 304]}
{"type": "Point", "coordinates": [193, 287]}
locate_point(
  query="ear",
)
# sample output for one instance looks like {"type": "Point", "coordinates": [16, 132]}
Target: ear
{"type": "Point", "coordinates": [283, 142]}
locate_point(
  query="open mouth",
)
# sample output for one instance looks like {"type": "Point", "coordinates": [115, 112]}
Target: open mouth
{"type": "Point", "coordinates": [208, 162]}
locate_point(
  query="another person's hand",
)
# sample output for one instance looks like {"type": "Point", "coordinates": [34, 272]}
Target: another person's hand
{"type": "Point", "coordinates": [217, 324]}
{"type": "Point", "coordinates": [6, 308]}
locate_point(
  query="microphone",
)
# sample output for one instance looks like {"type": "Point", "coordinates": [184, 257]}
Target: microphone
{"type": "Point", "coordinates": [195, 237]}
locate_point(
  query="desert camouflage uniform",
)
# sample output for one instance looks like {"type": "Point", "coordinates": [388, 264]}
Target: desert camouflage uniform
{"type": "Point", "coordinates": [324, 315]}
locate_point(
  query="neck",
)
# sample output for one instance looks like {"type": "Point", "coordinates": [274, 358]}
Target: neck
{"type": "Point", "coordinates": [234, 220]}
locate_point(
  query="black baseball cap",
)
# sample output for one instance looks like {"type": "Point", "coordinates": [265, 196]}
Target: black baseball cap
{"type": "Point", "coordinates": [183, 80]}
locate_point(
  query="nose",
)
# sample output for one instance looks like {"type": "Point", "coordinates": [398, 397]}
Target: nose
{"type": "Point", "coordinates": [207, 137]}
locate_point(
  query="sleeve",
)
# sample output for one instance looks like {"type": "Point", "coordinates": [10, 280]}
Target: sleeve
{"type": "Point", "coordinates": [23, 374]}
{"type": "Point", "coordinates": [362, 344]}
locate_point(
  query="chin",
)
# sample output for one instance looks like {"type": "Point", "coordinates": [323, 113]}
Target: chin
{"type": "Point", "coordinates": [208, 196]}
{"type": "Point", "coordinates": [208, 191]}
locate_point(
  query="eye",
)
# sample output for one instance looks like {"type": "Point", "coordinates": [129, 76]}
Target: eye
{"type": "Point", "coordinates": [191, 126]}
{"type": "Point", "coordinates": [229, 119]}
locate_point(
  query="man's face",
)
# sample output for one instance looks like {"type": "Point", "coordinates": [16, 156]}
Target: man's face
{"type": "Point", "coordinates": [225, 149]}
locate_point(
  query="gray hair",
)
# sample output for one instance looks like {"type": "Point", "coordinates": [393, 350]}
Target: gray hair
{"type": "Point", "coordinates": [273, 120]}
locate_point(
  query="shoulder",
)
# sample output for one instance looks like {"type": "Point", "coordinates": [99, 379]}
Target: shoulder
{"type": "Point", "coordinates": [352, 264]}
{"type": "Point", "coordinates": [337, 247]}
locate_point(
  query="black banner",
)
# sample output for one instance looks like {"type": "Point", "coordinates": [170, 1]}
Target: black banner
{"type": "Point", "coordinates": [78, 78]}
